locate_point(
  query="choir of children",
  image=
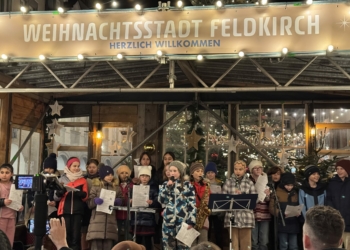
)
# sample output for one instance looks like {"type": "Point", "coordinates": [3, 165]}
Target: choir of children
{"type": "Point", "coordinates": [182, 201]}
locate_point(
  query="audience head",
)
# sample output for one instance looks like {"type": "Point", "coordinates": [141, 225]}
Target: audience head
{"type": "Point", "coordinates": [206, 245]}
{"type": "Point", "coordinates": [168, 157]}
{"type": "Point", "coordinates": [211, 170]}
{"type": "Point", "coordinates": [312, 173]}
{"type": "Point", "coordinates": [6, 172]}
{"type": "Point", "coordinates": [287, 181]}
{"type": "Point", "coordinates": [323, 228]}
{"type": "Point", "coordinates": [196, 171]}
{"type": "Point", "coordinates": [255, 168]}
{"type": "Point", "coordinates": [128, 245]}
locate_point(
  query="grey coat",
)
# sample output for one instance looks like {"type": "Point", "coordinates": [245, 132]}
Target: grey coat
{"type": "Point", "coordinates": [102, 225]}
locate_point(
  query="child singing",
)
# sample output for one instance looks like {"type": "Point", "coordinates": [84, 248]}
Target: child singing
{"type": "Point", "coordinates": [179, 200]}
{"type": "Point", "coordinates": [7, 215]}
{"type": "Point", "coordinates": [239, 183]}
{"type": "Point", "coordinates": [146, 222]}
{"type": "Point", "coordinates": [102, 230]}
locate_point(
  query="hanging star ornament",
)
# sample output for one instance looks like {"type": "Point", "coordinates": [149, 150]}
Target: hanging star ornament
{"type": "Point", "coordinates": [56, 109]}
{"type": "Point", "coordinates": [54, 127]}
{"type": "Point", "coordinates": [266, 132]}
{"type": "Point", "coordinates": [193, 139]}
{"type": "Point", "coordinates": [283, 156]}
{"type": "Point", "coordinates": [232, 145]}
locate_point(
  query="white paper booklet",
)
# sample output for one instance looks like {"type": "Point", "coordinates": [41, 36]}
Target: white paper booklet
{"type": "Point", "coordinates": [187, 236]}
{"type": "Point", "coordinates": [140, 195]}
{"type": "Point", "coordinates": [292, 211]}
{"type": "Point", "coordinates": [108, 197]}
{"type": "Point", "coordinates": [16, 198]}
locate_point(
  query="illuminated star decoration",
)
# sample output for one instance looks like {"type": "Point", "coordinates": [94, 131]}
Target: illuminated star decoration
{"type": "Point", "coordinates": [54, 127]}
{"type": "Point", "coordinates": [56, 109]}
{"type": "Point", "coordinates": [344, 23]}
{"type": "Point", "coordinates": [267, 132]}
{"type": "Point", "coordinates": [193, 139]}
{"type": "Point", "coordinates": [232, 145]}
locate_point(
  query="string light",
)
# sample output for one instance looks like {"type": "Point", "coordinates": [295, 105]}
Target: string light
{"type": "Point", "coordinates": [137, 7]}
{"type": "Point", "coordinates": [120, 56]}
{"type": "Point", "coordinates": [60, 10]}
{"type": "Point", "coordinates": [98, 6]}
{"type": "Point", "coordinates": [241, 54]}
{"type": "Point", "coordinates": [23, 9]}
{"type": "Point", "coordinates": [199, 57]}
{"type": "Point", "coordinates": [4, 57]}
{"type": "Point", "coordinates": [330, 48]}
{"type": "Point", "coordinates": [179, 4]}
{"type": "Point", "coordinates": [42, 57]}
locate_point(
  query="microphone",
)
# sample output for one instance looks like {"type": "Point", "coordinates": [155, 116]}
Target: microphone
{"type": "Point", "coordinates": [128, 179]}
{"type": "Point", "coordinates": [172, 178]}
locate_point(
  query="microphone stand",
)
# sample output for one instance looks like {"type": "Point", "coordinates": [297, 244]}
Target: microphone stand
{"type": "Point", "coordinates": [275, 207]}
{"type": "Point", "coordinates": [128, 211]}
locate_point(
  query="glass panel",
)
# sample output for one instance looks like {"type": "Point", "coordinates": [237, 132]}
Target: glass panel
{"type": "Point", "coordinates": [117, 140]}
{"type": "Point", "coordinates": [294, 125]}
{"type": "Point", "coordinates": [73, 136]}
{"type": "Point", "coordinates": [218, 133]}
{"type": "Point", "coordinates": [178, 151]}
{"type": "Point", "coordinates": [332, 115]}
{"type": "Point", "coordinates": [333, 138]}
{"type": "Point", "coordinates": [112, 160]}
{"type": "Point", "coordinates": [249, 124]}
{"type": "Point", "coordinates": [175, 131]}
{"type": "Point", "coordinates": [63, 156]}
{"type": "Point", "coordinates": [28, 160]}
{"type": "Point", "coordinates": [75, 119]}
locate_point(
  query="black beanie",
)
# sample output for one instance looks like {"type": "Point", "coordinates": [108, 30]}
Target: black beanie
{"type": "Point", "coordinates": [287, 178]}
{"type": "Point", "coordinates": [50, 162]}
{"type": "Point", "coordinates": [105, 171]}
{"type": "Point", "coordinates": [309, 170]}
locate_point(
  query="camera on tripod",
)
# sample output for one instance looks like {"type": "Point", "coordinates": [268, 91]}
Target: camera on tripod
{"type": "Point", "coordinates": [38, 182]}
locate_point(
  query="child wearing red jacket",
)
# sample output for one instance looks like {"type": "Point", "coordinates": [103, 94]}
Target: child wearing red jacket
{"type": "Point", "coordinates": [71, 203]}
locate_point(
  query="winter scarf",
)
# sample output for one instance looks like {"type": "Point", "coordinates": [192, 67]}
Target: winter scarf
{"type": "Point", "coordinates": [72, 176]}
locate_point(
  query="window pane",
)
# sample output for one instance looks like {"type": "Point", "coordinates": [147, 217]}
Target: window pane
{"type": "Point", "coordinates": [333, 138]}
{"type": "Point", "coordinates": [112, 160]}
{"type": "Point", "coordinates": [332, 115]}
{"type": "Point", "coordinates": [294, 124]}
{"type": "Point", "coordinates": [249, 123]}
{"type": "Point", "coordinates": [117, 140]}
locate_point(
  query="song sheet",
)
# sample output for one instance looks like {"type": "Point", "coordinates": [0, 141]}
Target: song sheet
{"type": "Point", "coordinates": [215, 189]}
{"type": "Point", "coordinates": [260, 186]}
{"type": "Point", "coordinates": [292, 211]}
{"type": "Point", "coordinates": [16, 198]}
{"type": "Point", "coordinates": [136, 171]}
{"type": "Point", "coordinates": [108, 197]}
{"type": "Point", "coordinates": [140, 195]}
{"type": "Point", "coordinates": [187, 236]}
{"type": "Point", "coordinates": [69, 189]}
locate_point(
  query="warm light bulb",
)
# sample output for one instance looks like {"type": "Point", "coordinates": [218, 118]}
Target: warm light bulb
{"type": "Point", "coordinates": [199, 57]}
{"type": "Point", "coordinates": [313, 131]}
{"type": "Point", "coordinates": [309, 2]}
{"type": "Point", "coordinates": [98, 6]}
{"type": "Point", "coordinates": [120, 56]}
{"type": "Point", "coordinates": [137, 7]}
{"type": "Point", "coordinates": [80, 57]}
{"type": "Point", "coordinates": [159, 53]}
{"type": "Point", "coordinates": [263, 2]}
{"type": "Point", "coordinates": [42, 57]}
{"type": "Point", "coordinates": [4, 57]}
{"type": "Point", "coordinates": [60, 10]}
{"type": "Point", "coordinates": [330, 48]}
{"type": "Point", "coordinates": [179, 4]}
{"type": "Point", "coordinates": [99, 134]}
{"type": "Point", "coordinates": [218, 4]}
{"type": "Point", "coordinates": [114, 3]}
{"type": "Point", "coordinates": [23, 9]}
{"type": "Point", "coordinates": [241, 54]}
{"type": "Point", "coordinates": [284, 51]}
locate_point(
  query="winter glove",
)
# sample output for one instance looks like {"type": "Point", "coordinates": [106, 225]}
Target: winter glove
{"type": "Point", "coordinates": [118, 202]}
{"type": "Point", "coordinates": [60, 193]}
{"type": "Point", "coordinates": [98, 201]}
{"type": "Point", "coordinates": [80, 194]}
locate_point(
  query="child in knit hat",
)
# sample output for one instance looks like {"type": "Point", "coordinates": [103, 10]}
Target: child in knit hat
{"type": "Point", "coordinates": [146, 222]}
{"type": "Point", "coordinates": [125, 185]}
{"type": "Point", "coordinates": [287, 195]}
{"type": "Point", "coordinates": [71, 203]}
{"type": "Point", "coordinates": [178, 197]}
{"type": "Point", "coordinates": [312, 192]}
{"type": "Point", "coordinates": [202, 192]}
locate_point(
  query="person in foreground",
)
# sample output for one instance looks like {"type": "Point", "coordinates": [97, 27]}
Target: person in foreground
{"type": "Point", "coordinates": [323, 228]}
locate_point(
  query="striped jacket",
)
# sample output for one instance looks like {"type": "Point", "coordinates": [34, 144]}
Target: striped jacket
{"type": "Point", "coordinates": [243, 218]}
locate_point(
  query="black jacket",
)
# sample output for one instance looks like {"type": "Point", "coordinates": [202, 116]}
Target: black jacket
{"type": "Point", "coordinates": [338, 197]}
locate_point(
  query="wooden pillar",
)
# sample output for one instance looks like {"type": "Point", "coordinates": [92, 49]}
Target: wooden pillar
{"type": "Point", "coordinates": [5, 118]}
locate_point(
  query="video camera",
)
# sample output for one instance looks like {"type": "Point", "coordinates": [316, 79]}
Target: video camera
{"type": "Point", "coordinates": [38, 182]}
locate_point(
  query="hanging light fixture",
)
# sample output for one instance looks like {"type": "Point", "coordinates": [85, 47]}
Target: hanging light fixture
{"type": "Point", "coordinates": [99, 127]}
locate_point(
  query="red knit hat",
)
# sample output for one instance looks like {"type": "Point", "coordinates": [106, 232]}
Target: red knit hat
{"type": "Point", "coordinates": [344, 164]}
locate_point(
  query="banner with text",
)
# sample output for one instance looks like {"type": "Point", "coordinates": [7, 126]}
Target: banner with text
{"type": "Point", "coordinates": [252, 30]}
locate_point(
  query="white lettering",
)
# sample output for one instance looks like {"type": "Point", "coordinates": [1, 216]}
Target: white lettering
{"type": "Point", "coordinates": [196, 26]}
{"type": "Point", "coordinates": [100, 31]}
{"type": "Point", "coordinates": [170, 28]}
{"type": "Point", "coordinates": [78, 32]}
{"type": "Point", "coordinates": [115, 31]}
{"type": "Point", "coordinates": [32, 32]}
{"type": "Point", "coordinates": [64, 32]}
{"type": "Point", "coordinates": [187, 25]}
{"type": "Point", "coordinates": [297, 26]}
{"type": "Point", "coordinates": [246, 25]}
{"type": "Point", "coordinates": [127, 27]}
{"type": "Point", "coordinates": [286, 27]}
{"type": "Point", "coordinates": [91, 32]}
{"type": "Point", "coordinates": [159, 25]}
{"type": "Point", "coordinates": [137, 29]}
{"type": "Point", "coordinates": [235, 28]}
{"type": "Point", "coordinates": [315, 24]}
{"type": "Point", "coordinates": [148, 29]}
{"type": "Point", "coordinates": [213, 27]}
{"type": "Point", "coordinates": [225, 27]}
{"type": "Point", "coordinates": [263, 26]}
{"type": "Point", "coordinates": [46, 32]}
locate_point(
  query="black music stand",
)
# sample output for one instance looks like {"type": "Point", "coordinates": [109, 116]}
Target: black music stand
{"type": "Point", "coordinates": [136, 210]}
{"type": "Point", "coordinates": [230, 203]}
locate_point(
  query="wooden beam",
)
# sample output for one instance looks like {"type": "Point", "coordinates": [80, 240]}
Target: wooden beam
{"type": "Point", "coordinates": [75, 124]}
{"type": "Point", "coordinates": [187, 73]}
{"type": "Point", "coordinates": [73, 148]}
{"type": "Point", "coordinates": [333, 125]}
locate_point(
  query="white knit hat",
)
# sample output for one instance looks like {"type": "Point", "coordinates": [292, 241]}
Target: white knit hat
{"type": "Point", "coordinates": [145, 170]}
{"type": "Point", "coordinates": [254, 163]}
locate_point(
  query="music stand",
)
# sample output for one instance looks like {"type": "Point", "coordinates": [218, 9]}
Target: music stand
{"type": "Point", "coordinates": [136, 210]}
{"type": "Point", "coordinates": [230, 203]}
